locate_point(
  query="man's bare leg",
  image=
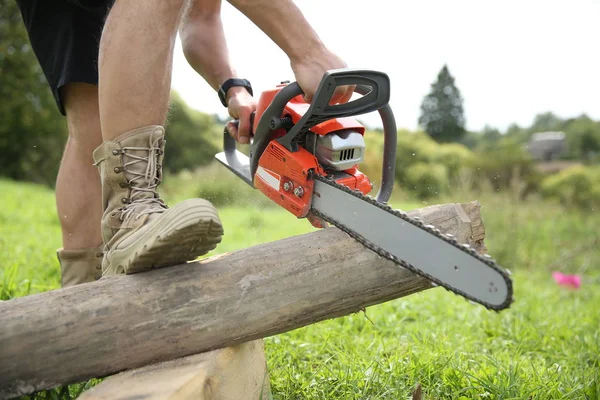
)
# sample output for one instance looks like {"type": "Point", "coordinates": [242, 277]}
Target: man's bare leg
{"type": "Point", "coordinates": [135, 64]}
{"type": "Point", "coordinates": [78, 193]}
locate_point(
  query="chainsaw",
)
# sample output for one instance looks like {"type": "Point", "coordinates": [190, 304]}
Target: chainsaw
{"type": "Point", "coordinates": [305, 157]}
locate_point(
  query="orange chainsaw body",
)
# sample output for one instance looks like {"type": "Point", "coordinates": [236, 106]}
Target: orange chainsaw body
{"type": "Point", "coordinates": [284, 176]}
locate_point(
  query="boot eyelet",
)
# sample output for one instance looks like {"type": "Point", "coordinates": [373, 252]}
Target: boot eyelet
{"type": "Point", "coordinates": [100, 255]}
{"type": "Point", "coordinates": [116, 152]}
{"type": "Point", "coordinates": [124, 184]}
{"type": "Point", "coordinates": [125, 200]}
{"type": "Point", "coordinates": [118, 169]}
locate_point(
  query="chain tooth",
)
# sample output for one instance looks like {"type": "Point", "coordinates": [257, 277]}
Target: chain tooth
{"type": "Point", "coordinates": [449, 238]}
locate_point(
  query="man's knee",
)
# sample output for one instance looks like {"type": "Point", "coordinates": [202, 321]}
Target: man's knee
{"type": "Point", "coordinates": [80, 101]}
{"type": "Point", "coordinates": [79, 97]}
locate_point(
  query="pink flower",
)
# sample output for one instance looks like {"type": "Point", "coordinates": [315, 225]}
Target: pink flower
{"type": "Point", "coordinates": [572, 281]}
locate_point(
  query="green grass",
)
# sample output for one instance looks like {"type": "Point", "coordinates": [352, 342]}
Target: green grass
{"type": "Point", "coordinates": [546, 346]}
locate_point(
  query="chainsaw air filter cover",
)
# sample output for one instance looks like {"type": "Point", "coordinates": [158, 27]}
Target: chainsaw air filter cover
{"type": "Point", "coordinates": [338, 150]}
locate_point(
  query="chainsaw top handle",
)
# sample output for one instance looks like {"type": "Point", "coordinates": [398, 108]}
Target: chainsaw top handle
{"type": "Point", "coordinates": [375, 88]}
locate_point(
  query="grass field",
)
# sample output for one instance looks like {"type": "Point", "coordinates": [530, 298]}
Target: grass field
{"type": "Point", "coordinates": [546, 346]}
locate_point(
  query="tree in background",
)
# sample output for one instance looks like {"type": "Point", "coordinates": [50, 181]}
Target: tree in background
{"type": "Point", "coordinates": [193, 138]}
{"type": "Point", "coordinates": [442, 114]}
{"type": "Point", "coordinates": [546, 122]}
{"type": "Point", "coordinates": [583, 138]}
{"type": "Point", "coordinates": [32, 131]}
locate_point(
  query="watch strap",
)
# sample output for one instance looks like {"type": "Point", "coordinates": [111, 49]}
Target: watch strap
{"type": "Point", "coordinates": [228, 84]}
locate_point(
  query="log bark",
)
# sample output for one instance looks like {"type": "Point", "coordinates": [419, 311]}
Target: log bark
{"type": "Point", "coordinates": [124, 322]}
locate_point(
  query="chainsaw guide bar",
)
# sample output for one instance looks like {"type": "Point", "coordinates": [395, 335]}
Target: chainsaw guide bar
{"type": "Point", "coordinates": [500, 285]}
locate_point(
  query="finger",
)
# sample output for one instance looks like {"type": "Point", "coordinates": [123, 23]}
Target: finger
{"type": "Point", "coordinates": [338, 94]}
{"type": "Point", "coordinates": [308, 98]}
{"type": "Point", "coordinates": [348, 95]}
{"type": "Point", "coordinates": [244, 127]}
{"type": "Point", "coordinates": [232, 129]}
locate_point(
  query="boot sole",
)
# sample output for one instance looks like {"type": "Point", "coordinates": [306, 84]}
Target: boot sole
{"type": "Point", "coordinates": [190, 232]}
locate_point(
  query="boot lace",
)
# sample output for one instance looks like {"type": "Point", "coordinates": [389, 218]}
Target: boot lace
{"type": "Point", "coordinates": [142, 183]}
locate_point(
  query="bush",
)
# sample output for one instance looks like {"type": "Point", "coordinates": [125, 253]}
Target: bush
{"type": "Point", "coordinates": [577, 186]}
{"type": "Point", "coordinates": [427, 180]}
{"type": "Point", "coordinates": [193, 138]}
{"type": "Point", "coordinates": [413, 148]}
{"type": "Point", "coordinates": [455, 157]}
{"type": "Point", "coordinates": [371, 165]}
{"type": "Point", "coordinates": [33, 133]}
{"type": "Point", "coordinates": [502, 164]}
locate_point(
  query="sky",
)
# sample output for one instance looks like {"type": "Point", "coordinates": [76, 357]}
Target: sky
{"type": "Point", "coordinates": [511, 59]}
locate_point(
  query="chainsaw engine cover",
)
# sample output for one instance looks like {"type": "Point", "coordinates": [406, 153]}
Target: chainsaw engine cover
{"type": "Point", "coordinates": [285, 177]}
{"type": "Point", "coordinates": [339, 150]}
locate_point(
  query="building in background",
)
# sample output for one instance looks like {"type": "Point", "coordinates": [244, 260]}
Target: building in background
{"type": "Point", "coordinates": [547, 146]}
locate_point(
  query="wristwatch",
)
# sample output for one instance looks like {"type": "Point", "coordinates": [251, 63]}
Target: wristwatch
{"type": "Point", "coordinates": [228, 84]}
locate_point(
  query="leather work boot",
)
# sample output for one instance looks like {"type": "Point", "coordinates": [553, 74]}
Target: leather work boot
{"type": "Point", "coordinates": [139, 231]}
{"type": "Point", "coordinates": [79, 266]}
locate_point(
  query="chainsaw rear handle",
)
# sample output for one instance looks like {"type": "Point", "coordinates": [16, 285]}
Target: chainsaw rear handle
{"type": "Point", "coordinates": [373, 85]}
{"type": "Point", "coordinates": [375, 96]}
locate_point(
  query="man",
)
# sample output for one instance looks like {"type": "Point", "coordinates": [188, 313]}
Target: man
{"type": "Point", "coordinates": [109, 66]}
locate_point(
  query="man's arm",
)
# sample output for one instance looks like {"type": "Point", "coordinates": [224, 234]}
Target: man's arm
{"type": "Point", "coordinates": [204, 44]}
{"type": "Point", "coordinates": [205, 49]}
{"type": "Point", "coordinates": [285, 24]}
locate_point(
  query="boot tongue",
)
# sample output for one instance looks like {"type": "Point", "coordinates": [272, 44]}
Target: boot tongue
{"type": "Point", "coordinates": [142, 167]}
{"type": "Point", "coordinates": [142, 155]}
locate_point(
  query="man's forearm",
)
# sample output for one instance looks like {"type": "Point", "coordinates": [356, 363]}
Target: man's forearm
{"type": "Point", "coordinates": [205, 47]}
{"type": "Point", "coordinates": [284, 23]}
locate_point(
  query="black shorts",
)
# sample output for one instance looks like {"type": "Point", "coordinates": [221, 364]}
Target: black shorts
{"type": "Point", "coordinates": [65, 35]}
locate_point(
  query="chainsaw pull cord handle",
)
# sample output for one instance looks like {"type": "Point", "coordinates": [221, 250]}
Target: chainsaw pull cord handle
{"type": "Point", "coordinates": [229, 143]}
{"type": "Point", "coordinates": [235, 159]}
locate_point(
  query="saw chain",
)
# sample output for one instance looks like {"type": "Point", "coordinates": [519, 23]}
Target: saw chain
{"type": "Point", "coordinates": [486, 259]}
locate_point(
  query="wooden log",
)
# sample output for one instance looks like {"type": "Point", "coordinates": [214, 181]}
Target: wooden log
{"type": "Point", "coordinates": [237, 372]}
{"type": "Point", "coordinates": [123, 322]}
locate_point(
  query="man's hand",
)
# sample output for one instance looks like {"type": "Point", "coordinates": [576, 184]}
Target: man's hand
{"type": "Point", "coordinates": [241, 106]}
{"type": "Point", "coordinates": [309, 71]}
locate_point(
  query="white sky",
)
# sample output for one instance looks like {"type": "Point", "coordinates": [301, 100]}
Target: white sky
{"type": "Point", "coordinates": [511, 59]}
